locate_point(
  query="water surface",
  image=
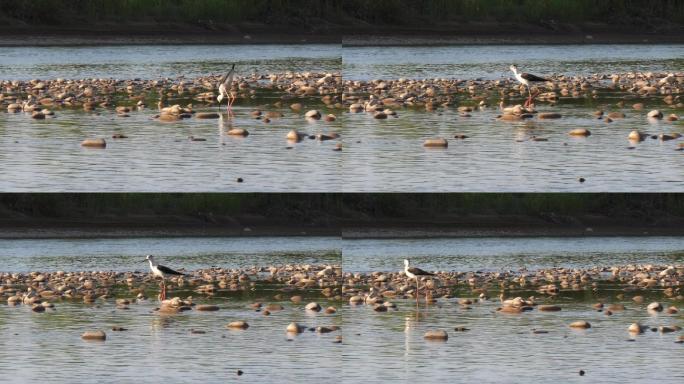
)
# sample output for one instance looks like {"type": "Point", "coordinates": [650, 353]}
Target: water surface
{"type": "Point", "coordinates": [191, 253]}
{"type": "Point", "coordinates": [492, 61]}
{"type": "Point", "coordinates": [503, 254]}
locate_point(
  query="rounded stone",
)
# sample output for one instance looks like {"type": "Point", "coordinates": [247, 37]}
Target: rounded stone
{"type": "Point", "coordinates": [436, 143]}
{"type": "Point", "coordinates": [238, 132]}
{"type": "Point", "coordinates": [581, 324]}
{"type": "Point", "coordinates": [207, 308]}
{"type": "Point", "coordinates": [313, 307]}
{"type": "Point", "coordinates": [274, 307]}
{"type": "Point", "coordinates": [295, 328]}
{"type": "Point", "coordinates": [94, 335]}
{"type": "Point", "coordinates": [438, 334]}
{"type": "Point", "coordinates": [655, 114]}
{"type": "Point", "coordinates": [240, 324]}
{"type": "Point", "coordinates": [549, 308]}
{"type": "Point", "coordinates": [636, 328]}
{"type": "Point", "coordinates": [579, 132]}
{"type": "Point", "coordinates": [636, 136]}
{"type": "Point", "coordinates": [94, 143]}
{"type": "Point", "coordinates": [207, 115]}
{"type": "Point", "coordinates": [313, 114]}
{"type": "Point", "coordinates": [549, 115]}
{"type": "Point", "coordinates": [655, 306]}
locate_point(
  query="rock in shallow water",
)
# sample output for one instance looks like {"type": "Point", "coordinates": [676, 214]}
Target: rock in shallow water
{"type": "Point", "coordinates": [94, 143]}
{"type": "Point", "coordinates": [581, 324]}
{"type": "Point", "coordinates": [580, 132]}
{"type": "Point", "coordinates": [438, 334]}
{"type": "Point", "coordinates": [436, 143]}
{"type": "Point", "coordinates": [207, 308]}
{"type": "Point", "coordinates": [240, 324]}
{"type": "Point", "coordinates": [94, 335]}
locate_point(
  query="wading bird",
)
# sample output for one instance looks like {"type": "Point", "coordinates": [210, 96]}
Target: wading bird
{"type": "Point", "coordinates": [413, 273]}
{"type": "Point", "coordinates": [163, 272]}
{"type": "Point", "coordinates": [224, 87]}
{"type": "Point", "coordinates": [526, 79]}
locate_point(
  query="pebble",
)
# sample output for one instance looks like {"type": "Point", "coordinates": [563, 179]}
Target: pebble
{"type": "Point", "coordinates": [580, 324]}
{"type": "Point", "coordinates": [669, 328]}
{"type": "Point", "coordinates": [240, 324]}
{"type": "Point", "coordinates": [295, 328]}
{"type": "Point", "coordinates": [636, 328]}
{"type": "Point", "coordinates": [436, 143]}
{"type": "Point", "coordinates": [636, 136]}
{"type": "Point", "coordinates": [655, 306]}
{"type": "Point", "coordinates": [94, 143]}
{"type": "Point", "coordinates": [655, 114]}
{"type": "Point", "coordinates": [207, 308]}
{"type": "Point", "coordinates": [579, 132]}
{"type": "Point", "coordinates": [207, 115]}
{"type": "Point", "coordinates": [94, 335]}
{"type": "Point", "coordinates": [438, 334]}
{"type": "Point", "coordinates": [313, 114]}
{"type": "Point", "coordinates": [313, 307]}
{"type": "Point", "coordinates": [549, 115]}
{"type": "Point", "coordinates": [549, 308]}
{"type": "Point", "coordinates": [238, 132]}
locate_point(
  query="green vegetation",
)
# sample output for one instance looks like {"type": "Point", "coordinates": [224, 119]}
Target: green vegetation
{"type": "Point", "coordinates": [339, 12]}
{"type": "Point", "coordinates": [53, 12]}
{"type": "Point", "coordinates": [607, 11]}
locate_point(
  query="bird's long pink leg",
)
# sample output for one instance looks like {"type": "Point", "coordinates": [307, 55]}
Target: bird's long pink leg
{"type": "Point", "coordinates": [231, 101]}
{"type": "Point", "coordinates": [417, 290]}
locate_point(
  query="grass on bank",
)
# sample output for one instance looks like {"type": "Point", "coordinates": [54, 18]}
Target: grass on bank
{"type": "Point", "coordinates": [322, 12]}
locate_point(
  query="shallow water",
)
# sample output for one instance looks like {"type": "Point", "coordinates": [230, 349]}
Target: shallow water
{"type": "Point", "coordinates": [492, 61]}
{"type": "Point", "coordinates": [160, 61]}
{"type": "Point", "coordinates": [499, 156]}
{"type": "Point", "coordinates": [378, 156]}
{"type": "Point", "coordinates": [183, 253]}
{"type": "Point", "coordinates": [159, 348]}
{"type": "Point", "coordinates": [46, 156]}
{"type": "Point", "coordinates": [500, 348]}
{"type": "Point", "coordinates": [503, 254]}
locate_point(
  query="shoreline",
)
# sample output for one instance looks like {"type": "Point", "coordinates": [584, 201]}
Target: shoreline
{"type": "Point", "coordinates": [360, 231]}
{"type": "Point", "coordinates": [469, 33]}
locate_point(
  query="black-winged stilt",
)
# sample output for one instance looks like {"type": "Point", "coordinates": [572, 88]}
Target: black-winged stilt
{"type": "Point", "coordinates": [225, 86]}
{"type": "Point", "coordinates": [163, 272]}
{"type": "Point", "coordinates": [413, 273]}
{"type": "Point", "coordinates": [526, 79]}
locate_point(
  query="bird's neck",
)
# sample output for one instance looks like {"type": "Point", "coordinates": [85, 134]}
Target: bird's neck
{"type": "Point", "coordinates": [152, 263]}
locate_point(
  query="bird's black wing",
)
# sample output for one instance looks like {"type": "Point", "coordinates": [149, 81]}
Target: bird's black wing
{"type": "Point", "coordinates": [169, 271]}
{"type": "Point", "coordinates": [224, 78]}
{"type": "Point", "coordinates": [419, 272]}
{"type": "Point", "coordinates": [531, 77]}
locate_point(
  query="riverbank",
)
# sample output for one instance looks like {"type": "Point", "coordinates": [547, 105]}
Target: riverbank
{"type": "Point", "coordinates": [360, 34]}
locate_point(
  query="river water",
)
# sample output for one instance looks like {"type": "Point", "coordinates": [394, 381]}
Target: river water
{"type": "Point", "coordinates": [377, 156]}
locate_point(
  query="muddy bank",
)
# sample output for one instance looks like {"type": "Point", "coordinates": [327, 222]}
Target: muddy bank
{"type": "Point", "coordinates": [358, 34]}
{"type": "Point", "coordinates": [246, 226]}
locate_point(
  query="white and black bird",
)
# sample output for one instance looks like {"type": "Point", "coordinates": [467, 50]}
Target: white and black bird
{"type": "Point", "coordinates": [414, 273]}
{"type": "Point", "coordinates": [526, 79]}
{"type": "Point", "coordinates": [224, 87]}
{"type": "Point", "coordinates": [163, 272]}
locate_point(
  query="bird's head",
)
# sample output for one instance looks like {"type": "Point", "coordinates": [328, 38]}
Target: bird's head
{"type": "Point", "coordinates": [149, 257]}
{"type": "Point", "coordinates": [514, 68]}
